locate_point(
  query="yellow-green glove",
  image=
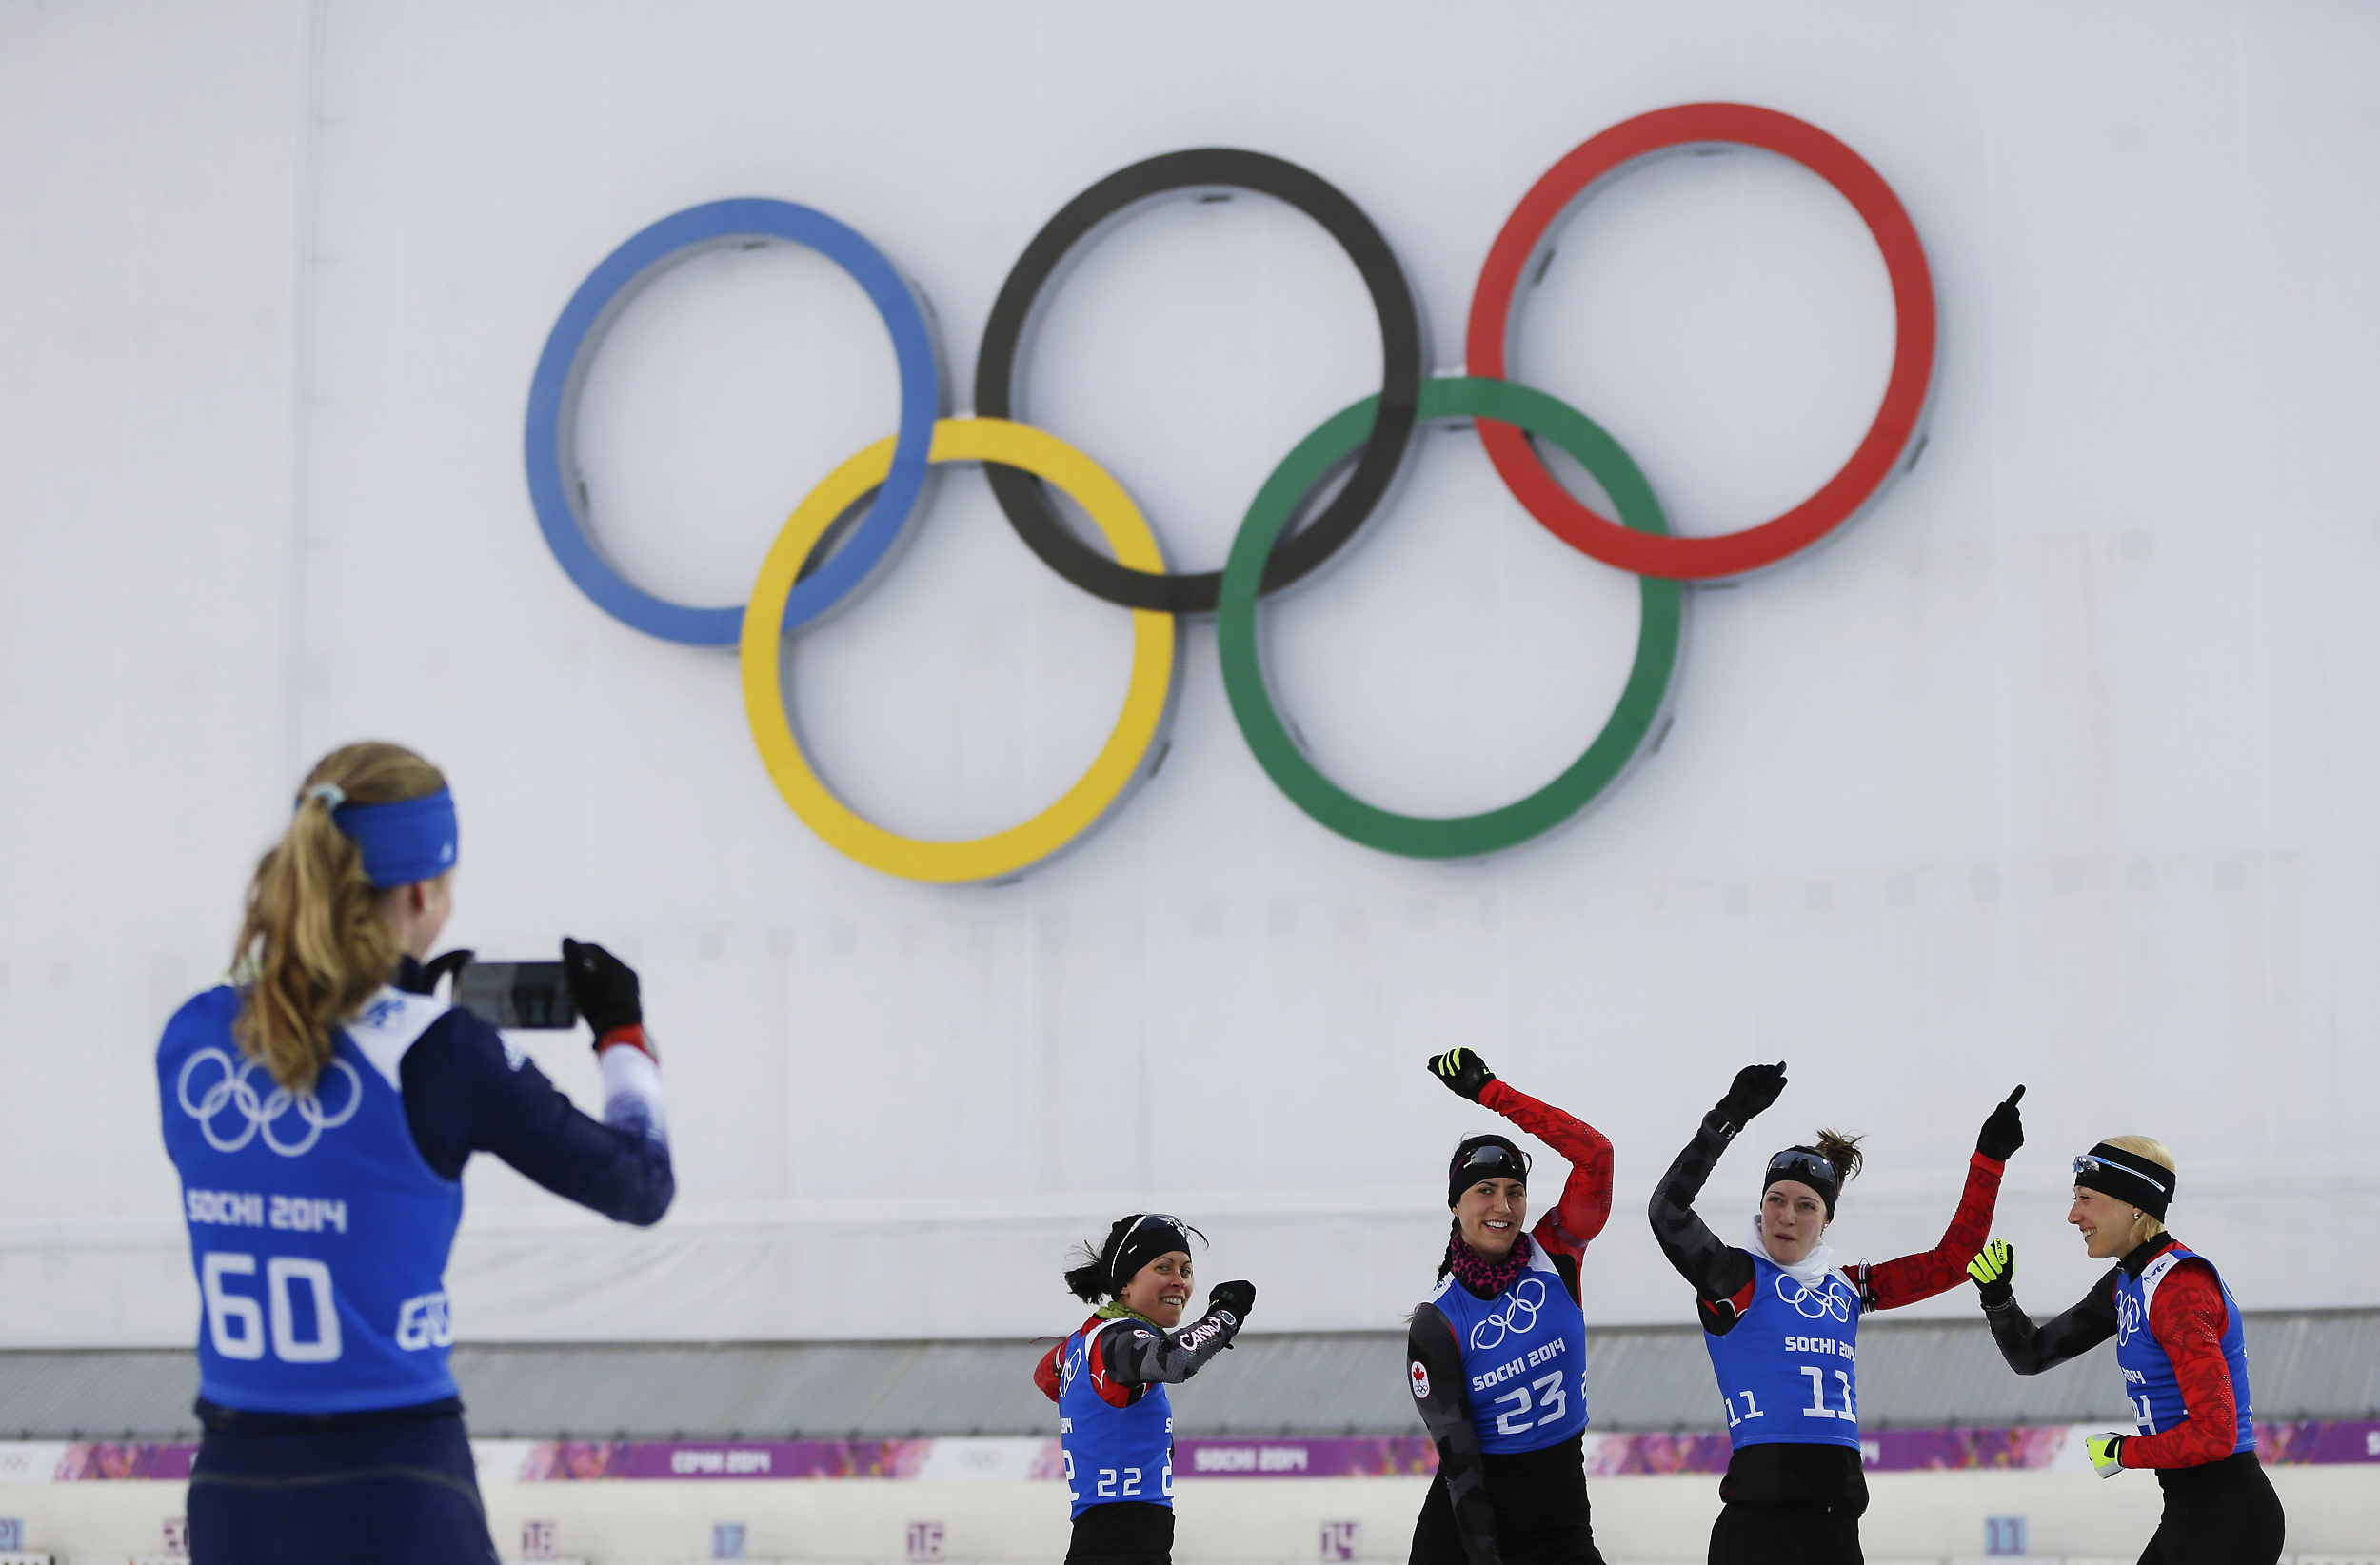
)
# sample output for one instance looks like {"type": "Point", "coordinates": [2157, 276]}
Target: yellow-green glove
{"type": "Point", "coordinates": [2106, 1453]}
{"type": "Point", "coordinates": [1994, 1271]}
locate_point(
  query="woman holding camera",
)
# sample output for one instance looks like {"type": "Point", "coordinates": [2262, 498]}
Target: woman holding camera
{"type": "Point", "coordinates": [2180, 1346]}
{"type": "Point", "coordinates": [1115, 1421]}
{"type": "Point", "coordinates": [1781, 1318]}
{"type": "Point", "coordinates": [1495, 1355]}
{"type": "Point", "coordinates": [319, 1109]}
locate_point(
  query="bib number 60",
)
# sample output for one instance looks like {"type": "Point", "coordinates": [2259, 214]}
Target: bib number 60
{"type": "Point", "coordinates": [236, 1324]}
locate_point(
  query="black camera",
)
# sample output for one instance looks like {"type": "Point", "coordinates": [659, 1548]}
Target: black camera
{"type": "Point", "coordinates": [528, 996]}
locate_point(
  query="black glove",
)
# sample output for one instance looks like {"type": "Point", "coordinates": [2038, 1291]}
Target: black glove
{"type": "Point", "coordinates": [2004, 1132]}
{"type": "Point", "coordinates": [1463, 1072]}
{"type": "Point", "coordinates": [1994, 1271]}
{"type": "Point", "coordinates": [1238, 1297]}
{"type": "Point", "coordinates": [441, 967]}
{"type": "Point", "coordinates": [1756, 1088]}
{"type": "Point", "coordinates": [601, 986]}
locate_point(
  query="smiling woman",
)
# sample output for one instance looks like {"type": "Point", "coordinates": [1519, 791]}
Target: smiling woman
{"type": "Point", "coordinates": [1781, 1321]}
{"type": "Point", "coordinates": [1115, 1421]}
{"type": "Point", "coordinates": [1497, 1353]}
{"type": "Point", "coordinates": [2180, 1345]}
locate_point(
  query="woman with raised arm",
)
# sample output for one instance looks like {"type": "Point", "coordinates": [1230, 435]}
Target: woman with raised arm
{"type": "Point", "coordinates": [1115, 1421]}
{"type": "Point", "coordinates": [1497, 1353]}
{"type": "Point", "coordinates": [1780, 1317]}
{"type": "Point", "coordinates": [2180, 1346]}
{"type": "Point", "coordinates": [318, 1108]}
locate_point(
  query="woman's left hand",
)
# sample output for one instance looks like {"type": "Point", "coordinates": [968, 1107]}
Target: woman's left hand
{"type": "Point", "coordinates": [1463, 1072]}
{"type": "Point", "coordinates": [601, 986]}
{"type": "Point", "coordinates": [2004, 1132]}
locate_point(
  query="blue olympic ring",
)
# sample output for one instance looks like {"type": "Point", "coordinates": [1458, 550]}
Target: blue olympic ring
{"type": "Point", "coordinates": [552, 435]}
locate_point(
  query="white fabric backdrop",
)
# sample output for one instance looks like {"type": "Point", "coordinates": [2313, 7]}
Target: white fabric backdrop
{"type": "Point", "coordinates": [2056, 768]}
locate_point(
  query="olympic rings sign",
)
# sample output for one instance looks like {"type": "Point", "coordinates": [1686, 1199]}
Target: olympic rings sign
{"type": "Point", "coordinates": [845, 529]}
{"type": "Point", "coordinates": [1830, 1298]}
{"type": "Point", "coordinates": [233, 1090]}
{"type": "Point", "coordinates": [1519, 1316]}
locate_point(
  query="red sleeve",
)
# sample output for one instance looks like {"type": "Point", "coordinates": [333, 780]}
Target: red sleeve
{"type": "Point", "coordinates": [2187, 1316]}
{"type": "Point", "coordinates": [1893, 1283]}
{"type": "Point", "coordinates": [1586, 1203]}
{"type": "Point", "coordinates": [1114, 1392]}
{"type": "Point", "coordinates": [1045, 1372]}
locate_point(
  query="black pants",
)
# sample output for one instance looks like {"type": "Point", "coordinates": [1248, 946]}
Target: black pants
{"type": "Point", "coordinates": [396, 1493]}
{"type": "Point", "coordinates": [1539, 1498]}
{"type": "Point", "coordinates": [1125, 1533]}
{"type": "Point", "coordinates": [2222, 1513]}
{"type": "Point", "coordinates": [1779, 1535]}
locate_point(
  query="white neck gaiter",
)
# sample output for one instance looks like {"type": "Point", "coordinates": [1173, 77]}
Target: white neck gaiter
{"type": "Point", "coordinates": [1806, 1271]}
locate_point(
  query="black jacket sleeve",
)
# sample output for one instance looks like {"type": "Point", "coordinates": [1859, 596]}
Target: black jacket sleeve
{"type": "Point", "coordinates": [1141, 1354]}
{"type": "Point", "coordinates": [464, 1093]}
{"type": "Point", "coordinates": [1436, 1374]}
{"type": "Point", "coordinates": [1722, 1274]}
{"type": "Point", "coordinates": [2030, 1349]}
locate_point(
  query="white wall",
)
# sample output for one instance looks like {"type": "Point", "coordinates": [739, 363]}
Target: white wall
{"type": "Point", "coordinates": [2054, 770]}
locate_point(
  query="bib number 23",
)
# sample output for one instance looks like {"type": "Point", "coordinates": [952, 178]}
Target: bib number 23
{"type": "Point", "coordinates": [1550, 1402]}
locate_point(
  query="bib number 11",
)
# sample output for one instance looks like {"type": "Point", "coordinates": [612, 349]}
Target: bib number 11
{"type": "Point", "coordinates": [1817, 1408]}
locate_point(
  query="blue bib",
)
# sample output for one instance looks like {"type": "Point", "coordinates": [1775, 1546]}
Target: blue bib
{"type": "Point", "coordinates": [1113, 1453]}
{"type": "Point", "coordinates": [1524, 1357]}
{"type": "Point", "coordinates": [318, 1234]}
{"type": "Point", "coordinates": [1787, 1372]}
{"type": "Point", "coordinates": [2150, 1383]}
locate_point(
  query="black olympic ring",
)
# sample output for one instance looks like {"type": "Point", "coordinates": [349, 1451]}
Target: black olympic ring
{"type": "Point", "coordinates": [1014, 312]}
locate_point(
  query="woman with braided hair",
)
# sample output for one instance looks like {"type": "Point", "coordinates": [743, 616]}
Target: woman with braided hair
{"type": "Point", "coordinates": [2180, 1344]}
{"type": "Point", "coordinates": [1497, 1353]}
{"type": "Point", "coordinates": [1115, 1421]}
{"type": "Point", "coordinates": [1781, 1318]}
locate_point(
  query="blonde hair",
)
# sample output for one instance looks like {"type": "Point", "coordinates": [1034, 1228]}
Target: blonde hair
{"type": "Point", "coordinates": [2144, 1227]}
{"type": "Point", "coordinates": [313, 946]}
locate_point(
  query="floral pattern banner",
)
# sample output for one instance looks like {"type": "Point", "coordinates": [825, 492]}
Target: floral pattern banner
{"type": "Point", "coordinates": [1028, 1458]}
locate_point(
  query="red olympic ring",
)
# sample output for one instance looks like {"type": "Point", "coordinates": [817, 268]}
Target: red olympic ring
{"type": "Point", "coordinates": [1842, 495]}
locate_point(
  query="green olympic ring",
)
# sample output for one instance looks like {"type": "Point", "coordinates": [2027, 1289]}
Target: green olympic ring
{"type": "Point", "coordinates": [1284, 760]}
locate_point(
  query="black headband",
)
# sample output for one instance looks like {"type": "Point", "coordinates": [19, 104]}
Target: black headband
{"type": "Point", "coordinates": [1152, 1234]}
{"type": "Point", "coordinates": [1479, 1158]}
{"type": "Point", "coordinates": [1811, 1167]}
{"type": "Point", "coordinates": [2128, 1176]}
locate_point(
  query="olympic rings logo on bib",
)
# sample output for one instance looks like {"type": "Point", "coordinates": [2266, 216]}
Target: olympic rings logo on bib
{"type": "Point", "coordinates": [233, 1090]}
{"type": "Point", "coordinates": [1518, 1318]}
{"type": "Point", "coordinates": [1829, 1298]}
{"type": "Point", "coordinates": [839, 537]}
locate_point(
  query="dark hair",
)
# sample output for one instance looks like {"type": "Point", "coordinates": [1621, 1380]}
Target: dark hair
{"type": "Point", "coordinates": [1446, 1261]}
{"type": "Point", "coordinates": [1088, 1280]}
{"type": "Point", "coordinates": [1843, 1151]}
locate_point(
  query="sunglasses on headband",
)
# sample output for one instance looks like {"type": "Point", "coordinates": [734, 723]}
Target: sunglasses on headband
{"type": "Point", "coordinates": [2087, 1165]}
{"type": "Point", "coordinates": [1800, 1163]}
{"type": "Point", "coordinates": [1490, 1158]}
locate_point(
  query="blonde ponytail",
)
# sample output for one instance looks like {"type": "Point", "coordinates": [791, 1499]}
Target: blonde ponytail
{"type": "Point", "coordinates": [313, 946]}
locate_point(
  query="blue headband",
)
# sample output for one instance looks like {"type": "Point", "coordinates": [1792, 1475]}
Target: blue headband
{"type": "Point", "coordinates": [411, 840]}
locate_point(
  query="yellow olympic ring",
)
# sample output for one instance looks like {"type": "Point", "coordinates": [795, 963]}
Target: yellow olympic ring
{"type": "Point", "coordinates": [1148, 700]}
